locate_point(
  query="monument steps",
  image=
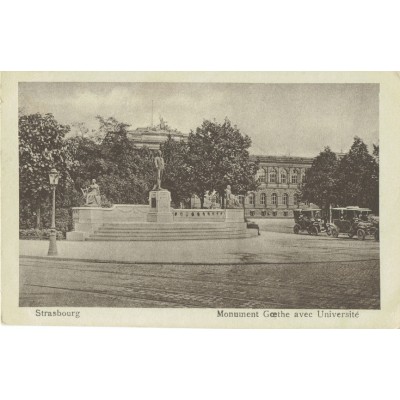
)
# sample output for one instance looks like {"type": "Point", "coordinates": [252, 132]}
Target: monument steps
{"type": "Point", "coordinates": [171, 226]}
{"type": "Point", "coordinates": [214, 236]}
{"type": "Point", "coordinates": [154, 230]}
{"type": "Point", "coordinates": [167, 231]}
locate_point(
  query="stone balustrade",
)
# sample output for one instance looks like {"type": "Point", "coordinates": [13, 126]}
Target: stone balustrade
{"type": "Point", "coordinates": [203, 215]}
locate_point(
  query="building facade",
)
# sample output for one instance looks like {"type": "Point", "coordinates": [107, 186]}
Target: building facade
{"type": "Point", "coordinates": [280, 179]}
{"type": "Point", "coordinates": [153, 136]}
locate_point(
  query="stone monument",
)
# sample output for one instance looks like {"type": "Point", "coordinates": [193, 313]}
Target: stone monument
{"type": "Point", "coordinates": [92, 195]}
{"type": "Point", "coordinates": [159, 198]}
{"type": "Point", "coordinates": [160, 165]}
{"type": "Point", "coordinates": [231, 200]}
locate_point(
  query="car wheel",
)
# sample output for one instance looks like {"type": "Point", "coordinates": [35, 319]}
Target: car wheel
{"type": "Point", "coordinates": [361, 234]}
{"type": "Point", "coordinates": [328, 231]}
{"type": "Point", "coordinates": [296, 229]}
{"type": "Point", "coordinates": [376, 236]}
{"type": "Point", "coordinates": [314, 231]}
{"type": "Point", "coordinates": [335, 233]}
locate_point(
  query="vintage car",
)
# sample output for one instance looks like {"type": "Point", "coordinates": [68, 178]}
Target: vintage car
{"type": "Point", "coordinates": [309, 220]}
{"type": "Point", "coordinates": [353, 221]}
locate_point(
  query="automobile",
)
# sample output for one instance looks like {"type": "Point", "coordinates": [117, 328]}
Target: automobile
{"type": "Point", "coordinates": [353, 221]}
{"type": "Point", "coordinates": [309, 220]}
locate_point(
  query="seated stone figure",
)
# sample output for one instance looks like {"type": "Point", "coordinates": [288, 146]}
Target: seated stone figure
{"type": "Point", "coordinates": [231, 200]}
{"type": "Point", "coordinates": [92, 195]}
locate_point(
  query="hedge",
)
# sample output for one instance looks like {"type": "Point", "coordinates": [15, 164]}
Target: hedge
{"type": "Point", "coordinates": [38, 234]}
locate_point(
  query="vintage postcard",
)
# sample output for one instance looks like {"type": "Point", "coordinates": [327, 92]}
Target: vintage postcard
{"type": "Point", "coordinates": [212, 200]}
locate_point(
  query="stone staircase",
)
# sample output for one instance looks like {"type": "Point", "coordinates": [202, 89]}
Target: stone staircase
{"type": "Point", "coordinates": [149, 231]}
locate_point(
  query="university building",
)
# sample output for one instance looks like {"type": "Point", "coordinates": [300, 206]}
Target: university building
{"type": "Point", "coordinates": [279, 179]}
{"type": "Point", "coordinates": [153, 136]}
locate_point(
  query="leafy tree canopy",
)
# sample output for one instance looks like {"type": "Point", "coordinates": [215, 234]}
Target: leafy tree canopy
{"type": "Point", "coordinates": [177, 175]}
{"type": "Point", "coordinates": [219, 157]}
{"type": "Point", "coordinates": [41, 148]}
{"type": "Point", "coordinates": [358, 177]}
{"type": "Point", "coordinates": [353, 180]}
{"type": "Point", "coordinates": [320, 183]}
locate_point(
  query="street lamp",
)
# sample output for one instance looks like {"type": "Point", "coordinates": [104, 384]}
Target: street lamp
{"type": "Point", "coordinates": [53, 178]}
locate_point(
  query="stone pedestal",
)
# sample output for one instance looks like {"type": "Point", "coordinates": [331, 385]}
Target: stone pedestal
{"type": "Point", "coordinates": [160, 206]}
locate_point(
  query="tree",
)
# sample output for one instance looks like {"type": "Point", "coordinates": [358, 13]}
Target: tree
{"type": "Point", "coordinates": [320, 185]}
{"type": "Point", "coordinates": [218, 156]}
{"type": "Point", "coordinates": [358, 177]}
{"type": "Point", "coordinates": [123, 172]}
{"type": "Point", "coordinates": [41, 147]}
{"type": "Point", "coordinates": [177, 174]}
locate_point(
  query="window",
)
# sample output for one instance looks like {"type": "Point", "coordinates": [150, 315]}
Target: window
{"type": "Point", "coordinates": [285, 199]}
{"type": "Point", "coordinates": [283, 177]}
{"type": "Point", "coordinates": [274, 198]}
{"type": "Point", "coordinates": [263, 213]}
{"type": "Point", "coordinates": [274, 213]}
{"type": "Point", "coordinates": [272, 176]}
{"type": "Point", "coordinates": [303, 178]}
{"type": "Point", "coordinates": [261, 175]}
{"type": "Point", "coordinates": [252, 213]}
{"type": "Point", "coordinates": [263, 198]}
{"type": "Point", "coordinates": [296, 199]}
{"type": "Point", "coordinates": [251, 199]}
{"type": "Point", "coordinates": [294, 177]}
{"type": "Point", "coordinates": [285, 213]}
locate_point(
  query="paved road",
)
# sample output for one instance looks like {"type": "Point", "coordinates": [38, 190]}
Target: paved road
{"type": "Point", "coordinates": [275, 270]}
{"type": "Point", "coordinates": [48, 282]}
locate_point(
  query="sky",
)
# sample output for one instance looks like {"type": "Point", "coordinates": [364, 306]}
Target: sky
{"type": "Point", "coordinates": [281, 119]}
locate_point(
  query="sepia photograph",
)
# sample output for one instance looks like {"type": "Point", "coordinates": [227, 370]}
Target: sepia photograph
{"type": "Point", "coordinates": [207, 195]}
{"type": "Point", "coordinates": [199, 200]}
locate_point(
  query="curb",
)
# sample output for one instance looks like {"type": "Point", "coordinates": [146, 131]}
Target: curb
{"type": "Point", "coordinates": [98, 261]}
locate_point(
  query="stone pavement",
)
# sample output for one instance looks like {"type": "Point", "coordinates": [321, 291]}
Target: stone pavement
{"type": "Point", "coordinates": [270, 247]}
{"type": "Point", "coordinates": [47, 282]}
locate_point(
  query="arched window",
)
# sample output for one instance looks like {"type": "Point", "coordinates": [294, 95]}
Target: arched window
{"type": "Point", "coordinates": [283, 176]}
{"type": "Point", "coordinates": [251, 199]}
{"type": "Point", "coordinates": [261, 175]}
{"type": "Point", "coordinates": [296, 199]}
{"type": "Point", "coordinates": [274, 199]}
{"type": "Point", "coordinates": [294, 177]}
{"type": "Point", "coordinates": [272, 176]}
{"type": "Point", "coordinates": [285, 199]}
{"type": "Point", "coordinates": [263, 198]}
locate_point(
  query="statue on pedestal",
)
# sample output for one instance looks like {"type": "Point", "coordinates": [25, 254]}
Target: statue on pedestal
{"type": "Point", "coordinates": [159, 164]}
{"type": "Point", "coordinates": [92, 195]}
{"type": "Point", "coordinates": [231, 200]}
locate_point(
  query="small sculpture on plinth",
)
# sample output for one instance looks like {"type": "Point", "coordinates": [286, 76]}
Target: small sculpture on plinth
{"type": "Point", "coordinates": [160, 166]}
{"type": "Point", "coordinates": [92, 195]}
{"type": "Point", "coordinates": [231, 200]}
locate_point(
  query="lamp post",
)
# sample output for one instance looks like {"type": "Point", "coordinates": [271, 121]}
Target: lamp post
{"type": "Point", "coordinates": [53, 178]}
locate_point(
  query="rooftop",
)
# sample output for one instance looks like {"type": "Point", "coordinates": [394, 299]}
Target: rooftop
{"type": "Point", "coordinates": [282, 159]}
